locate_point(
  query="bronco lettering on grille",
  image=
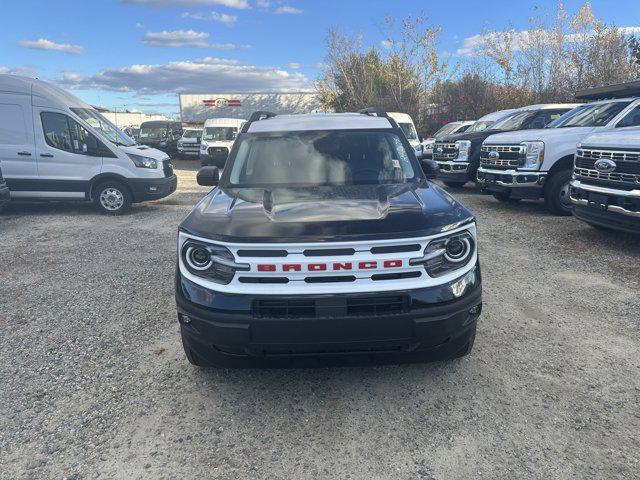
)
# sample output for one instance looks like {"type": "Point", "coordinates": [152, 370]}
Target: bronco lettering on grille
{"type": "Point", "coordinates": [323, 267]}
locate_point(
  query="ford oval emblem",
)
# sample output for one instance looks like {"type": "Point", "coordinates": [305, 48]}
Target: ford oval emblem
{"type": "Point", "coordinates": [494, 155]}
{"type": "Point", "coordinates": [439, 150]}
{"type": "Point", "coordinates": [605, 165]}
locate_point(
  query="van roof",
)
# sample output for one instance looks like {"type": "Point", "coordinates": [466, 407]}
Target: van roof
{"type": "Point", "coordinates": [32, 86]}
{"type": "Point", "coordinates": [319, 121]}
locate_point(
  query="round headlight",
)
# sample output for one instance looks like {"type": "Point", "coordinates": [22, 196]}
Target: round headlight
{"type": "Point", "coordinates": [457, 249]}
{"type": "Point", "coordinates": [198, 258]}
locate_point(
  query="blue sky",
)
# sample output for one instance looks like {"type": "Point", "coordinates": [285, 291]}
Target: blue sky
{"type": "Point", "coordinates": [140, 53]}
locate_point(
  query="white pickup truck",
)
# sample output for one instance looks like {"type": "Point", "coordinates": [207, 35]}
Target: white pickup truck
{"type": "Point", "coordinates": [605, 190]}
{"type": "Point", "coordinates": [539, 163]}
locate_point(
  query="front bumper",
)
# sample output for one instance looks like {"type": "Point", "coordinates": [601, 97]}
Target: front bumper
{"type": "Point", "coordinates": [519, 184]}
{"type": "Point", "coordinates": [454, 171]}
{"type": "Point", "coordinates": [238, 330]}
{"type": "Point", "coordinates": [144, 189]}
{"type": "Point", "coordinates": [606, 207]}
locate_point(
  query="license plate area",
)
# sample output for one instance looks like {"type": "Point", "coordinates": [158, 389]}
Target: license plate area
{"type": "Point", "coordinates": [598, 200]}
{"type": "Point", "coordinates": [490, 177]}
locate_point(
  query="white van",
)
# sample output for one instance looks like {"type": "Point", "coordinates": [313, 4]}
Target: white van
{"type": "Point", "coordinates": [405, 122]}
{"type": "Point", "coordinates": [217, 139]}
{"type": "Point", "coordinates": [55, 146]}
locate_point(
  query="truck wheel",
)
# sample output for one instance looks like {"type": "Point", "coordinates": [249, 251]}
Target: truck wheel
{"type": "Point", "coordinates": [505, 197]}
{"type": "Point", "coordinates": [453, 184]}
{"type": "Point", "coordinates": [112, 197]}
{"type": "Point", "coordinates": [466, 350]}
{"type": "Point", "coordinates": [556, 195]}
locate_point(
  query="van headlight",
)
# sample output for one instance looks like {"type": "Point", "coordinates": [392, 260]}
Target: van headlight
{"type": "Point", "coordinates": [446, 254]}
{"type": "Point", "coordinates": [143, 162]}
{"type": "Point", "coordinates": [464, 148]}
{"type": "Point", "coordinates": [210, 261]}
{"type": "Point", "coordinates": [533, 153]}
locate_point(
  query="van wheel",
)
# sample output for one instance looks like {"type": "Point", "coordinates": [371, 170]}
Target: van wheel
{"type": "Point", "coordinates": [454, 184]}
{"type": "Point", "coordinates": [556, 195]}
{"type": "Point", "coordinates": [112, 197]}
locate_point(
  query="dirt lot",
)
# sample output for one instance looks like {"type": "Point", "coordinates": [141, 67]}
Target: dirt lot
{"type": "Point", "coordinates": [94, 384]}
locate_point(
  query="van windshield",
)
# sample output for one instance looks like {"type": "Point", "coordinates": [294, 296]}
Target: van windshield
{"type": "Point", "coordinates": [153, 131]}
{"type": "Point", "coordinates": [596, 115]}
{"type": "Point", "coordinates": [324, 157]}
{"type": "Point", "coordinates": [223, 134]}
{"type": "Point", "coordinates": [108, 129]}
{"type": "Point", "coordinates": [409, 130]}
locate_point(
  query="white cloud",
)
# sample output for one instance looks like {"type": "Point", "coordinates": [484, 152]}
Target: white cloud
{"type": "Point", "coordinates": [471, 44]}
{"type": "Point", "coordinates": [139, 25]}
{"type": "Point", "coordinates": [386, 44]}
{"type": "Point", "coordinates": [22, 70]}
{"type": "Point", "coordinates": [293, 65]}
{"type": "Point", "coordinates": [287, 9]}
{"type": "Point", "coordinates": [44, 44]}
{"type": "Point", "coordinates": [212, 16]}
{"type": "Point", "coordinates": [239, 4]}
{"type": "Point", "coordinates": [263, 3]}
{"type": "Point", "coordinates": [185, 38]}
{"type": "Point", "coordinates": [202, 75]}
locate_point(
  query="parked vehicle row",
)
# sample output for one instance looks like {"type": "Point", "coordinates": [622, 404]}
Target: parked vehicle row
{"type": "Point", "coordinates": [581, 159]}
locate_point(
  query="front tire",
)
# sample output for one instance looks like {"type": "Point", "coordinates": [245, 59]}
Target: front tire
{"type": "Point", "coordinates": [112, 197]}
{"type": "Point", "coordinates": [452, 184]}
{"type": "Point", "coordinates": [556, 195]}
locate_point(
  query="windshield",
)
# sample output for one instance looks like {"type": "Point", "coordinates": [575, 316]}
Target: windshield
{"type": "Point", "coordinates": [192, 134]}
{"type": "Point", "coordinates": [224, 134]}
{"type": "Point", "coordinates": [515, 121]}
{"type": "Point", "coordinates": [328, 157]}
{"type": "Point", "coordinates": [104, 126]}
{"type": "Point", "coordinates": [589, 115]}
{"type": "Point", "coordinates": [445, 130]}
{"type": "Point", "coordinates": [409, 130]}
{"type": "Point", "coordinates": [480, 126]}
{"type": "Point", "coordinates": [153, 131]}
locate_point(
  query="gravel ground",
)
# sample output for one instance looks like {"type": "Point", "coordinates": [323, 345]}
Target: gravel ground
{"type": "Point", "coordinates": [94, 384]}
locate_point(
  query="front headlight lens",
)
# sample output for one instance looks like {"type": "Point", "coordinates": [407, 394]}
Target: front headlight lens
{"type": "Point", "coordinates": [143, 162]}
{"type": "Point", "coordinates": [213, 262]}
{"type": "Point", "coordinates": [533, 155]}
{"type": "Point", "coordinates": [447, 254]}
{"type": "Point", "coordinates": [464, 148]}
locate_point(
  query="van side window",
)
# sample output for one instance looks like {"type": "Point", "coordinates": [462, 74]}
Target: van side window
{"type": "Point", "coordinates": [631, 119]}
{"type": "Point", "coordinates": [64, 133]}
{"type": "Point", "coordinates": [56, 130]}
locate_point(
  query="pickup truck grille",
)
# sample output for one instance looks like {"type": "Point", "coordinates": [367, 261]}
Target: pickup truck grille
{"type": "Point", "coordinates": [501, 157]}
{"type": "Point", "coordinates": [445, 151]}
{"type": "Point", "coordinates": [626, 170]}
{"type": "Point", "coordinates": [191, 147]}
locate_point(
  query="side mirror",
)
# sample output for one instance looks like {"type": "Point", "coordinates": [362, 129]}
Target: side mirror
{"type": "Point", "coordinates": [208, 176]}
{"type": "Point", "coordinates": [430, 168]}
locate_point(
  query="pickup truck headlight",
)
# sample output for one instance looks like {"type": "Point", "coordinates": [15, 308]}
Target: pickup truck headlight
{"type": "Point", "coordinates": [449, 253]}
{"type": "Point", "coordinates": [533, 155]}
{"type": "Point", "coordinates": [464, 148]}
{"type": "Point", "coordinates": [143, 162]}
{"type": "Point", "coordinates": [210, 261]}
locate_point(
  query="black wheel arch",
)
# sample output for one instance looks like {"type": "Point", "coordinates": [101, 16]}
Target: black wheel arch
{"type": "Point", "coordinates": [103, 177]}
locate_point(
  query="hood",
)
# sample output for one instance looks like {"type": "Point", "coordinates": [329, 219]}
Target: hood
{"type": "Point", "coordinates": [544, 134]}
{"type": "Point", "coordinates": [219, 143]}
{"type": "Point", "coordinates": [628, 138]}
{"type": "Point", "coordinates": [189, 140]}
{"type": "Point", "coordinates": [319, 214]}
{"type": "Point", "coordinates": [145, 151]}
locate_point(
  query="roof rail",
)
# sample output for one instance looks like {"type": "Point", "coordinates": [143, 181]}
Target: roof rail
{"type": "Point", "coordinates": [379, 112]}
{"type": "Point", "coordinates": [256, 117]}
{"type": "Point", "coordinates": [619, 90]}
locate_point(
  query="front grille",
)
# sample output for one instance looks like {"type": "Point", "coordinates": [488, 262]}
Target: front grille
{"type": "Point", "coordinates": [167, 168]}
{"type": "Point", "coordinates": [333, 306]}
{"type": "Point", "coordinates": [218, 151]}
{"type": "Point", "coordinates": [626, 171]}
{"type": "Point", "coordinates": [509, 156]}
{"type": "Point", "coordinates": [449, 151]}
{"type": "Point", "coordinates": [609, 177]}
{"type": "Point", "coordinates": [191, 147]}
